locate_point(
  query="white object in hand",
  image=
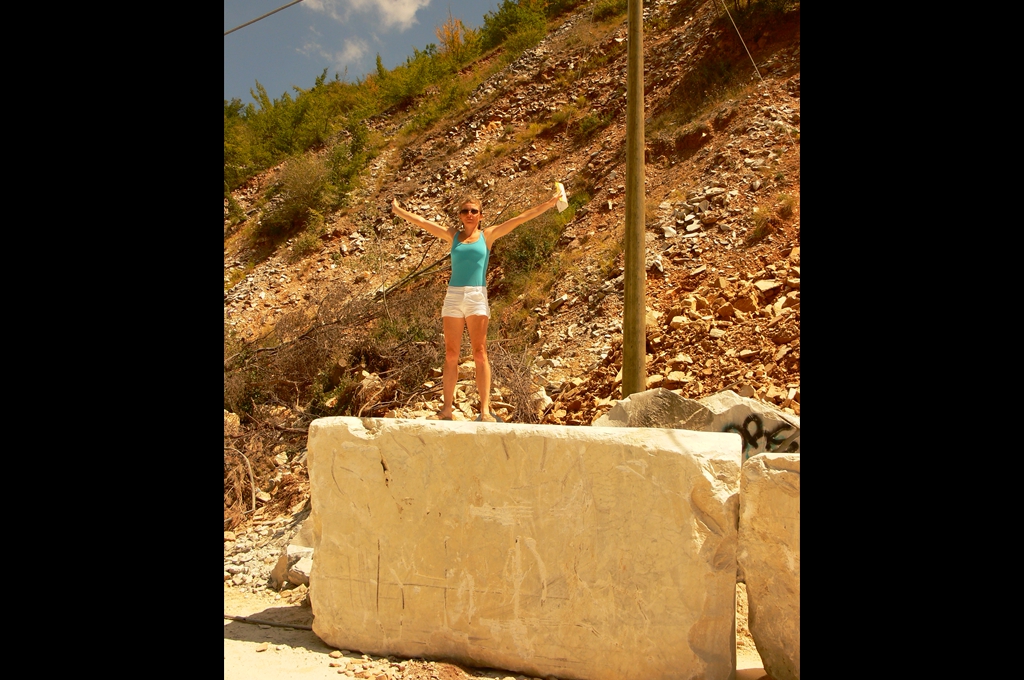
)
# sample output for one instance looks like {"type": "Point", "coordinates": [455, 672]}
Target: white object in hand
{"type": "Point", "coordinates": [563, 201]}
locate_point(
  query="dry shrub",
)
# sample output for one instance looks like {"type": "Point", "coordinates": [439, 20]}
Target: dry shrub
{"type": "Point", "coordinates": [397, 339]}
{"type": "Point", "coordinates": [295, 367]}
{"type": "Point", "coordinates": [786, 206]}
{"type": "Point", "coordinates": [511, 369]}
{"type": "Point", "coordinates": [292, 326]}
{"type": "Point", "coordinates": [238, 492]}
{"type": "Point", "coordinates": [250, 465]}
{"type": "Point", "coordinates": [406, 340]}
{"type": "Point", "coordinates": [247, 466]}
{"type": "Point", "coordinates": [762, 224]}
{"type": "Point", "coordinates": [305, 344]}
{"type": "Point", "coordinates": [245, 384]}
{"type": "Point", "coordinates": [346, 305]}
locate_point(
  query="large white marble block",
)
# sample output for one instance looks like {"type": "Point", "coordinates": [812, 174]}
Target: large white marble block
{"type": "Point", "coordinates": [580, 552]}
{"type": "Point", "coordinates": [769, 559]}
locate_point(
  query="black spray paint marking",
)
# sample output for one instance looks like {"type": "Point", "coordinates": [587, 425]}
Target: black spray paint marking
{"type": "Point", "coordinates": [782, 438]}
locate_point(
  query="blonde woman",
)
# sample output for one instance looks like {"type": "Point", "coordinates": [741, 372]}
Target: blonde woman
{"type": "Point", "coordinates": [465, 305]}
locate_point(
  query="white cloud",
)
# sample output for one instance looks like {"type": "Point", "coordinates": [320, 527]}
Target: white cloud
{"type": "Point", "coordinates": [392, 13]}
{"type": "Point", "coordinates": [349, 56]}
{"type": "Point", "coordinates": [312, 46]}
{"type": "Point", "coordinates": [353, 52]}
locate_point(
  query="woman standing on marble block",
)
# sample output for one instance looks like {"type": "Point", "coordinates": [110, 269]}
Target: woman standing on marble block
{"type": "Point", "coordinates": [465, 305]}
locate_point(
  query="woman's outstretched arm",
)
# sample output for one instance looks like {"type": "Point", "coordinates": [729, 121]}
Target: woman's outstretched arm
{"type": "Point", "coordinates": [425, 224]}
{"type": "Point", "coordinates": [499, 230]}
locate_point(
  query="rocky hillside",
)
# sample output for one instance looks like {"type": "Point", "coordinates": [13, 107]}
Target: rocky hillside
{"type": "Point", "coordinates": [722, 231]}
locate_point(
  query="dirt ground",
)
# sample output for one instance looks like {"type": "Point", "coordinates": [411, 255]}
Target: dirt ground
{"type": "Point", "coordinates": [287, 650]}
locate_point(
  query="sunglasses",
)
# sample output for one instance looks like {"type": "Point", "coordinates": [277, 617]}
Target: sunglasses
{"type": "Point", "coordinates": [467, 211]}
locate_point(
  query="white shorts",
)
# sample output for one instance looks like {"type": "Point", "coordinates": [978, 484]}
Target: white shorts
{"type": "Point", "coordinates": [463, 301]}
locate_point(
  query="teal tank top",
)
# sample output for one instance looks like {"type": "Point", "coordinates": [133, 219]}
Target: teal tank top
{"type": "Point", "coordinates": [469, 262]}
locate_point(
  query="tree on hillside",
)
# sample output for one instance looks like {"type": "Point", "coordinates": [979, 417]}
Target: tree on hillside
{"type": "Point", "coordinates": [458, 43]}
{"type": "Point", "coordinates": [511, 18]}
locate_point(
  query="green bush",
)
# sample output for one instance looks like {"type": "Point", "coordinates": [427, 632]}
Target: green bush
{"type": "Point", "coordinates": [511, 19]}
{"type": "Point", "coordinates": [312, 115]}
{"type": "Point", "coordinates": [519, 42]}
{"type": "Point", "coordinates": [308, 241]}
{"type": "Point", "coordinates": [345, 161]}
{"type": "Point", "coordinates": [560, 119]}
{"type": "Point", "coordinates": [528, 246]}
{"type": "Point", "coordinates": [409, 80]}
{"type": "Point", "coordinates": [235, 212]}
{"type": "Point", "coordinates": [257, 137]}
{"type": "Point", "coordinates": [606, 9]}
{"type": "Point", "coordinates": [303, 190]}
{"type": "Point", "coordinates": [557, 7]}
{"type": "Point", "coordinates": [343, 168]}
{"type": "Point", "coordinates": [531, 246]}
{"type": "Point", "coordinates": [236, 147]}
{"type": "Point", "coordinates": [451, 97]}
{"type": "Point", "coordinates": [745, 9]}
{"type": "Point", "coordinates": [590, 124]}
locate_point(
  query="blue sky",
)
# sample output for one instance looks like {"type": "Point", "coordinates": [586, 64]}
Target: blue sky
{"type": "Point", "coordinates": [292, 47]}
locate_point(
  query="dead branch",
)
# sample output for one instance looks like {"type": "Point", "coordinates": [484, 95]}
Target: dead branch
{"type": "Point", "coordinates": [415, 275]}
{"type": "Point", "coordinates": [371, 400]}
{"type": "Point", "coordinates": [343, 324]}
{"type": "Point", "coordinates": [252, 480]}
{"type": "Point", "coordinates": [248, 619]}
{"type": "Point", "coordinates": [280, 428]}
{"type": "Point", "coordinates": [294, 430]}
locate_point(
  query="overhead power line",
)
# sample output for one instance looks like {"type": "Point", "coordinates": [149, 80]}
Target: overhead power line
{"type": "Point", "coordinates": [789, 132]}
{"type": "Point", "coordinates": [294, 2]}
{"type": "Point", "coordinates": [742, 41]}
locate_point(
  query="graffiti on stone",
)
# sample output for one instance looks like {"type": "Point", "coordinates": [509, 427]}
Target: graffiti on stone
{"type": "Point", "coordinates": [784, 438]}
{"type": "Point", "coordinates": [761, 427]}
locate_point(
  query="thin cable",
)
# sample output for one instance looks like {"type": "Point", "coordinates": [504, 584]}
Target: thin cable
{"type": "Point", "coordinates": [785, 128]}
{"type": "Point", "coordinates": [295, 2]}
{"type": "Point", "coordinates": [741, 41]}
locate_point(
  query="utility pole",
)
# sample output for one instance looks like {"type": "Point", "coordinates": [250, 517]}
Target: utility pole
{"type": "Point", "coordinates": [634, 335]}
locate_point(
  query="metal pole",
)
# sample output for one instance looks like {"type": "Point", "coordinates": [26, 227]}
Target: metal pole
{"type": "Point", "coordinates": [634, 337]}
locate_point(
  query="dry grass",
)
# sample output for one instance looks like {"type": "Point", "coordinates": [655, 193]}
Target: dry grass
{"type": "Point", "coordinates": [762, 224]}
{"type": "Point", "coordinates": [510, 368]}
{"type": "Point", "coordinates": [786, 206]}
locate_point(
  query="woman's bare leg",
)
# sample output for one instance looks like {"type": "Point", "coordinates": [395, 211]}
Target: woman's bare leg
{"type": "Point", "coordinates": [453, 328]}
{"type": "Point", "coordinates": [477, 325]}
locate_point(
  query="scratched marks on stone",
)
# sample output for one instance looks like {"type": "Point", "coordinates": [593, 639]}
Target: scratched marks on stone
{"type": "Point", "coordinates": [506, 515]}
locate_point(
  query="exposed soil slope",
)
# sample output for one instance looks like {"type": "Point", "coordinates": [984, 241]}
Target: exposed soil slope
{"type": "Point", "coordinates": [723, 217]}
